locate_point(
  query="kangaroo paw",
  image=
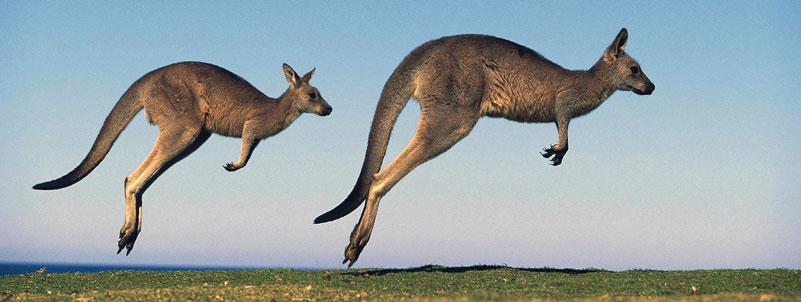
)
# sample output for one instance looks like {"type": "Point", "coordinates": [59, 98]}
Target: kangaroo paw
{"type": "Point", "coordinates": [128, 236]}
{"type": "Point", "coordinates": [354, 249]}
{"type": "Point", "coordinates": [352, 254]}
{"type": "Point", "coordinates": [556, 155]}
{"type": "Point", "coordinates": [231, 167]}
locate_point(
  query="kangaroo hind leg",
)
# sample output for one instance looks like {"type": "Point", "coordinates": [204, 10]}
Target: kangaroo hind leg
{"type": "Point", "coordinates": [438, 130]}
{"type": "Point", "coordinates": [172, 145]}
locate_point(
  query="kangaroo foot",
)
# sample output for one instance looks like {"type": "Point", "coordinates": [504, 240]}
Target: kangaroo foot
{"type": "Point", "coordinates": [355, 247]}
{"type": "Point", "coordinates": [128, 235]}
{"type": "Point", "coordinates": [557, 154]}
{"type": "Point", "coordinates": [231, 167]}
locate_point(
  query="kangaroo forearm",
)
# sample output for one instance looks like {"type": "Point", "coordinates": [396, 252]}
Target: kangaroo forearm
{"type": "Point", "coordinates": [561, 126]}
{"type": "Point", "coordinates": [245, 151]}
{"type": "Point", "coordinates": [248, 144]}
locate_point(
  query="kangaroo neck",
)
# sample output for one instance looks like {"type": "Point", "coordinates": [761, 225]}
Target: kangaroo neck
{"type": "Point", "coordinates": [285, 111]}
{"type": "Point", "coordinates": [591, 89]}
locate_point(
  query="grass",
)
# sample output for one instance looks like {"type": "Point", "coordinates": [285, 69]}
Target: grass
{"type": "Point", "coordinates": [423, 283]}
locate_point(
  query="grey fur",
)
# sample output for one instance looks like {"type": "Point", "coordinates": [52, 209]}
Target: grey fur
{"type": "Point", "coordinates": [189, 101]}
{"type": "Point", "coordinates": [459, 79]}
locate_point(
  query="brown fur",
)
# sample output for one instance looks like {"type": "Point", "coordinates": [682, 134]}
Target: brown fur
{"type": "Point", "coordinates": [189, 101]}
{"type": "Point", "coordinates": [459, 79]}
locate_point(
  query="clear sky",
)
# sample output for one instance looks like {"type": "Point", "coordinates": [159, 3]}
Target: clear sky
{"type": "Point", "coordinates": [704, 173]}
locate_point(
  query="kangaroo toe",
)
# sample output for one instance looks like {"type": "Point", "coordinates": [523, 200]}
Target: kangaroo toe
{"type": "Point", "coordinates": [354, 249]}
{"type": "Point", "coordinates": [128, 236]}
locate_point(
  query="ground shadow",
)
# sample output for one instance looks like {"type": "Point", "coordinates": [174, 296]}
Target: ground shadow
{"type": "Point", "coordinates": [461, 269]}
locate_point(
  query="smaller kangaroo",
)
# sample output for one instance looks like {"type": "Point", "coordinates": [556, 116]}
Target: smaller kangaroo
{"type": "Point", "coordinates": [189, 101]}
{"type": "Point", "coordinates": [459, 79]}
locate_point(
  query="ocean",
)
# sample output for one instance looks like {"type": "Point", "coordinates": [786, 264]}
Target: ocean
{"type": "Point", "coordinates": [16, 268]}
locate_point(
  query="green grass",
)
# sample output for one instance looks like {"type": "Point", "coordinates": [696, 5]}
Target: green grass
{"type": "Point", "coordinates": [423, 283]}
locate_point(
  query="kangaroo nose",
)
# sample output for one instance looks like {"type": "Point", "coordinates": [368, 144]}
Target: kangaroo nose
{"type": "Point", "coordinates": [647, 90]}
{"type": "Point", "coordinates": [326, 111]}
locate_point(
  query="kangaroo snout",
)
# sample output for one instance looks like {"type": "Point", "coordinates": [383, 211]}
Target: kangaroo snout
{"type": "Point", "coordinates": [325, 111]}
{"type": "Point", "coordinates": [649, 88]}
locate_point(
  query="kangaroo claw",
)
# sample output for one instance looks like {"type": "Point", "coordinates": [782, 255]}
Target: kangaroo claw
{"type": "Point", "coordinates": [230, 167]}
{"type": "Point", "coordinates": [548, 152]}
{"type": "Point", "coordinates": [127, 240]}
{"type": "Point", "coordinates": [349, 263]}
{"type": "Point", "coordinates": [353, 250]}
{"type": "Point", "coordinates": [557, 155]}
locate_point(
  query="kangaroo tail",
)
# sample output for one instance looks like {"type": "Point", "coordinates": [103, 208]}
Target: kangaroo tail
{"type": "Point", "coordinates": [119, 117]}
{"type": "Point", "coordinates": [394, 97]}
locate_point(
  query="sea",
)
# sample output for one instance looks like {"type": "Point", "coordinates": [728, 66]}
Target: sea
{"type": "Point", "coordinates": [17, 268]}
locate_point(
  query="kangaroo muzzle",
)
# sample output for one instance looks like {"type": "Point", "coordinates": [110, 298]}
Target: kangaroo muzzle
{"type": "Point", "coordinates": [649, 88]}
{"type": "Point", "coordinates": [325, 111]}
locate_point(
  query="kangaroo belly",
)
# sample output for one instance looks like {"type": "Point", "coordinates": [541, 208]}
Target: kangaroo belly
{"type": "Point", "coordinates": [225, 120]}
{"type": "Point", "coordinates": [523, 116]}
{"type": "Point", "coordinates": [224, 129]}
{"type": "Point", "coordinates": [513, 94]}
{"type": "Point", "coordinates": [525, 109]}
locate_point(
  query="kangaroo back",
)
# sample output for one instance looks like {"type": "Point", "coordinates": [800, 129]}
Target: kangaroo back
{"type": "Point", "coordinates": [116, 121]}
{"type": "Point", "coordinates": [396, 93]}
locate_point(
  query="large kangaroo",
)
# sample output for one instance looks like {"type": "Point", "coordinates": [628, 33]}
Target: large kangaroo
{"type": "Point", "coordinates": [188, 101]}
{"type": "Point", "coordinates": [459, 79]}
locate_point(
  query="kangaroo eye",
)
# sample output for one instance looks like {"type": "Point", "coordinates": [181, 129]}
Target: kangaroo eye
{"type": "Point", "coordinates": [635, 69]}
{"type": "Point", "coordinates": [313, 94]}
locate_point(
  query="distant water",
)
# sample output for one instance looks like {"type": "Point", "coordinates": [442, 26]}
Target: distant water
{"type": "Point", "coordinates": [13, 268]}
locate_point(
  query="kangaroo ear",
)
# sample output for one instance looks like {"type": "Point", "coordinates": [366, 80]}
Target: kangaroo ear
{"type": "Point", "coordinates": [291, 76]}
{"type": "Point", "coordinates": [307, 77]}
{"type": "Point", "coordinates": [618, 45]}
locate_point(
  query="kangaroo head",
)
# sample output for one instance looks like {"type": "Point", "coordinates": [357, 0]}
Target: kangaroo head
{"type": "Point", "coordinates": [621, 70]}
{"type": "Point", "coordinates": [303, 95]}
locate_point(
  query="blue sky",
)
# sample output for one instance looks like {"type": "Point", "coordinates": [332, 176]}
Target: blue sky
{"type": "Point", "coordinates": [704, 173]}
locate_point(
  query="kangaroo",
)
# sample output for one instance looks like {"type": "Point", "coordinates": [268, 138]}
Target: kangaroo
{"type": "Point", "coordinates": [189, 101]}
{"type": "Point", "coordinates": [459, 79]}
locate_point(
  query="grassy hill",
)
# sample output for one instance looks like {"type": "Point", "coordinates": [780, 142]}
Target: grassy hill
{"type": "Point", "coordinates": [423, 283]}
